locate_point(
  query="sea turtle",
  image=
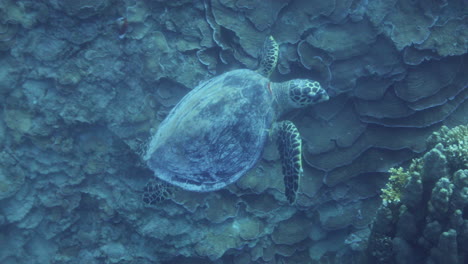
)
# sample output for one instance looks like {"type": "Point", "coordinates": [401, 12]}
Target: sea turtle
{"type": "Point", "coordinates": [217, 132]}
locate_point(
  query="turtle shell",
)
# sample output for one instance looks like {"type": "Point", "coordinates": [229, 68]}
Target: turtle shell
{"type": "Point", "coordinates": [215, 134]}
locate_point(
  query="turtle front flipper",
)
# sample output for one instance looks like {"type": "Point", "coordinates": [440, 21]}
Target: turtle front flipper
{"type": "Point", "coordinates": [269, 57]}
{"type": "Point", "coordinates": [290, 149]}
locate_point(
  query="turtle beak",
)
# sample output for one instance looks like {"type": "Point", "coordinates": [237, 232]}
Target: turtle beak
{"type": "Point", "coordinates": [324, 95]}
{"type": "Point", "coordinates": [320, 96]}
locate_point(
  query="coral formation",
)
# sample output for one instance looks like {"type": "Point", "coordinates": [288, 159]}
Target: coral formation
{"type": "Point", "coordinates": [455, 141]}
{"type": "Point", "coordinates": [78, 102]}
{"type": "Point", "coordinates": [7, 35]}
{"type": "Point", "coordinates": [423, 217]}
{"type": "Point", "coordinates": [392, 191]}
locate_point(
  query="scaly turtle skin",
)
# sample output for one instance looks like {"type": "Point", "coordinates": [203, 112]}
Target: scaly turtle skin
{"type": "Point", "coordinates": [217, 132]}
{"type": "Point", "coordinates": [290, 147]}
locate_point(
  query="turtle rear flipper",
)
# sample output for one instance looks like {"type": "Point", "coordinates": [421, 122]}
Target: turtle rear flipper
{"type": "Point", "coordinates": [157, 191]}
{"type": "Point", "coordinates": [290, 148]}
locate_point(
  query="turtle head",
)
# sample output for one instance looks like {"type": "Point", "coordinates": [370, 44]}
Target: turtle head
{"type": "Point", "coordinates": [303, 92]}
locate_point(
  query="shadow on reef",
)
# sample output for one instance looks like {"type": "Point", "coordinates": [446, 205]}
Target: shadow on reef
{"type": "Point", "coordinates": [424, 215]}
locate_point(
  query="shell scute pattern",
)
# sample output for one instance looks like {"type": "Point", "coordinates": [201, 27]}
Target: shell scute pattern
{"type": "Point", "coordinates": [215, 133]}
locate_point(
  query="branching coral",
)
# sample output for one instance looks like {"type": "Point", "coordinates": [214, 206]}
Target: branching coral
{"type": "Point", "coordinates": [455, 145]}
{"type": "Point", "coordinates": [424, 215]}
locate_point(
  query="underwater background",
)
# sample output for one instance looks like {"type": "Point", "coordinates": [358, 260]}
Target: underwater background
{"type": "Point", "coordinates": [84, 84]}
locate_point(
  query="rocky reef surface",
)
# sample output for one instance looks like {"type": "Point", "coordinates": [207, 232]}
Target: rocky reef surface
{"type": "Point", "coordinates": [83, 84]}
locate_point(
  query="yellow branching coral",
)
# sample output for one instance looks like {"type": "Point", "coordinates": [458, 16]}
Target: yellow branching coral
{"type": "Point", "coordinates": [393, 189]}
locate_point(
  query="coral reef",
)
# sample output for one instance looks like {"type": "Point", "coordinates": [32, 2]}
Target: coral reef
{"type": "Point", "coordinates": [424, 218]}
{"type": "Point", "coordinates": [80, 96]}
{"type": "Point", "coordinates": [16, 14]}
